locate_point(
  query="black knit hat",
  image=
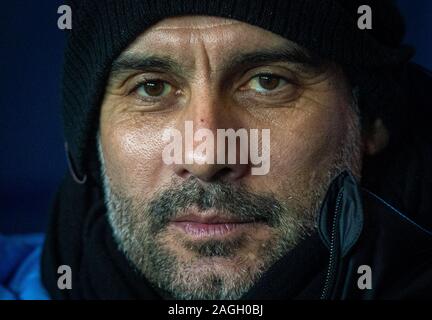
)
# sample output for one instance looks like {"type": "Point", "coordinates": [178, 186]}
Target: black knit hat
{"type": "Point", "coordinates": [102, 29]}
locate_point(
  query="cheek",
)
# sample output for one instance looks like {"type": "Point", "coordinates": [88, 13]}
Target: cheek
{"type": "Point", "coordinates": [133, 157]}
{"type": "Point", "coordinates": [306, 146]}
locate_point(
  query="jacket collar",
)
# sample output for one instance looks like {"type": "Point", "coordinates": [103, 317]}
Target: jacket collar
{"type": "Point", "coordinates": [341, 220]}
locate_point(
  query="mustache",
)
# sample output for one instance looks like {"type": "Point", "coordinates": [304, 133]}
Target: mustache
{"type": "Point", "coordinates": [234, 202]}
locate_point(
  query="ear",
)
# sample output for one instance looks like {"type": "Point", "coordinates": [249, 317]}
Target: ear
{"type": "Point", "coordinates": [376, 138]}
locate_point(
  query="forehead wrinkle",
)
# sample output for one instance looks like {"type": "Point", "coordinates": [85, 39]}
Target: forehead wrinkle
{"type": "Point", "coordinates": [202, 57]}
{"type": "Point", "coordinates": [194, 22]}
{"type": "Point", "coordinates": [209, 26]}
{"type": "Point", "coordinates": [206, 52]}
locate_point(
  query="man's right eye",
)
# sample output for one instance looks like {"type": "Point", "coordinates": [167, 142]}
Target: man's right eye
{"type": "Point", "coordinates": [154, 89]}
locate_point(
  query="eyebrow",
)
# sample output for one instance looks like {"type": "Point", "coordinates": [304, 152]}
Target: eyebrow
{"type": "Point", "coordinates": [288, 54]}
{"type": "Point", "coordinates": [138, 62]}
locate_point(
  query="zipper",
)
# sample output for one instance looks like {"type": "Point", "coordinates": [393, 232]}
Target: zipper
{"type": "Point", "coordinates": [332, 266]}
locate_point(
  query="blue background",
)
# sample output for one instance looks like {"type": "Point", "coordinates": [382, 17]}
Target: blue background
{"type": "Point", "coordinates": [32, 160]}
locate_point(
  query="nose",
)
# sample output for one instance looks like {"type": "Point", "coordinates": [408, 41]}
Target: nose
{"type": "Point", "coordinates": [208, 152]}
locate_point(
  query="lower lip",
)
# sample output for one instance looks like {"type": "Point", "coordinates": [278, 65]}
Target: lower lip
{"type": "Point", "coordinates": [210, 230]}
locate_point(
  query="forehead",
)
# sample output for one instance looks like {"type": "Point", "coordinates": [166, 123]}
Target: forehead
{"type": "Point", "coordinates": [178, 35]}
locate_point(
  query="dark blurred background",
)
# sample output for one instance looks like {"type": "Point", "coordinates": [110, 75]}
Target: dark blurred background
{"type": "Point", "coordinates": [32, 160]}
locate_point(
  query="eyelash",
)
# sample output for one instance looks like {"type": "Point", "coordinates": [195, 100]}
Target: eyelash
{"type": "Point", "coordinates": [140, 83]}
{"type": "Point", "coordinates": [273, 75]}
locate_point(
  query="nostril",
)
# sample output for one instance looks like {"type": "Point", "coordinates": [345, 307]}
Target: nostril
{"type": "Point", "coordinates": [212, 173]}
{"type": "Point", "coordinates": [230, 173]}
{"type": "Point", "coordinates": [183, 173]}
{"type": "Point", "coordinates": [222, 174]}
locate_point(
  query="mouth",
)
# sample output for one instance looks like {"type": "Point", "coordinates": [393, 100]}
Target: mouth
{"type": "Point", "coordinates": [212, 225]}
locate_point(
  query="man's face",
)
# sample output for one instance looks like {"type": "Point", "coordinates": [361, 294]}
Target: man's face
{"type": "Point", "coordinates": [210, 230]}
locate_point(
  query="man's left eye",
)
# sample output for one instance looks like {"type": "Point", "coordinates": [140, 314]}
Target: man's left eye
{"type": "Point", "coordinates": [266, 82]}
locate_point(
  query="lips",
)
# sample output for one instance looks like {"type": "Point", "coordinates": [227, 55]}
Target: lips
{"type": "Point", "coordinates": [210, 225]}
{"type": "Point", "coordinates": [209, 218]}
